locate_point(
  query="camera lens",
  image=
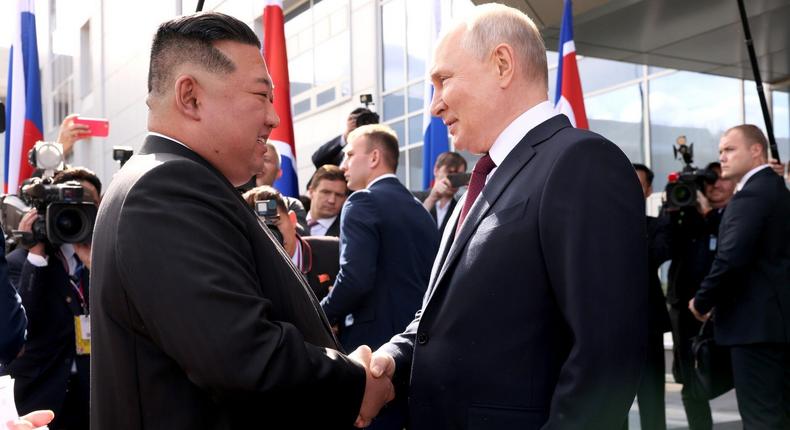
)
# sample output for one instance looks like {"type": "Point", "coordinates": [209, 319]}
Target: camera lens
{"type": "Point", "coordinates": [69, 223]}
{"type": "Point", "coordinates": [682, 195]}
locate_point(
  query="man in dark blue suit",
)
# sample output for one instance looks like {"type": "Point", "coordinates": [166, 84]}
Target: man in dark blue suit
{"type": "Point", "coordinates": [532, 318]}
{"type": "Point", "coordinates": [749, 281]}
{"type": "Point", "coordinates": [12, 317]}
{"type": "Point", "coordinates": [387, 244]}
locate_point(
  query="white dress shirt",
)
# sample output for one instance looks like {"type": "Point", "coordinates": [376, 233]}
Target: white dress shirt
{"type": "Point", "coordinates": [321, 225]}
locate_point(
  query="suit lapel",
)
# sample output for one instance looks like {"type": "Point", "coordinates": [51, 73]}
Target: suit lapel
{"type": "Point", "coordinates": [519, 157]}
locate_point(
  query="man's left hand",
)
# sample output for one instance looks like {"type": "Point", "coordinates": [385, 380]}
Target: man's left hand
{"type": "Point", "coordinates": [696, 313]}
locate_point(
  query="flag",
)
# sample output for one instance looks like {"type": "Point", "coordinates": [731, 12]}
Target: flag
{"type": "Point", "coordinates": [23, 114]}
{"type": "Point", "coordinates": [435, 140]}
{"type": "Point", "coordinates": [568, 98]}
{"type": "Point", "coordinates": [277, 60]}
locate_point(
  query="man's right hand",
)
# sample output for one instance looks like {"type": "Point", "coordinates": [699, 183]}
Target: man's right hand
{"type": "Point", "coordinates": [378, 391]}
{"type": "Point", "coordinates": [26, 225]}
{"type": "Point", "coordinates": [31, 421]}
{"type": "Point", "coordinates": [441, 189]}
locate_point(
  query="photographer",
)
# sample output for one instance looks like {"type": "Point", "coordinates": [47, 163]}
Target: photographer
{"type": "Point", "coordinates": [53, 371]}
{"type": "Point", "coordinates": [440, 199]}
{"type": "Point", "coordinates": [316, 257]}
{"type": "Point", "coordinates": [332, 152]}
{"type": "Point", "coordinates": [693, 237]}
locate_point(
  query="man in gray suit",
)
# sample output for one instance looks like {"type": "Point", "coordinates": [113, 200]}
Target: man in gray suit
{"type": "Point", "coordinates": [200, 320]}
{"type": "Point", "coordinates": [531, 319]}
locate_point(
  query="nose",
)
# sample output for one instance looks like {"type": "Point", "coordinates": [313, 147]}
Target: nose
{"type": "Point", "coordinates": [437, 103]}
{"type": "Point", "coordinates": [272, 119]}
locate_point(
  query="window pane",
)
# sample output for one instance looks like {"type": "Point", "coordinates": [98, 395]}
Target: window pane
{"type": "Point", "coordinates": [552, 84]}
{"type": "Point", "coordinates": [393, 19]}
{"type": "Point", "coordinates": [300, 71]}
{"type": "Point", "coordinates": [301, 107]}
{"type": "Point", "coordinates": [597, 73]}
{"type": "Point", "coordinates": [400, 129]}
{"type": "Point", "coordinates": [417, 36]}
{"type": "Point", "coordinates": [700, 107]}
{"type": "Point", "coordinates": [401, 172]}
{"type": "Point", "coordinates": [781, 120]}
{"type": "Point", "coordinates": [415, 97]}
{"type": "Point", "coordinates": [393, 105]}
{"type": "Point", "coordinates": [415, 166]}
{"type": "Point", "coordinates": [334, 59]}
{"type": "Point", "coordinates": [415, 129]}
{"type": "Point", "coordinates": [325, 97]}
{"type": "Point", "coordinates": [617, 115]}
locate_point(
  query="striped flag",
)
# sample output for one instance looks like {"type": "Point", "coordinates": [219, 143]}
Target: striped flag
{"type": "Point", "coordinates": [435, 140]}
{"type": "Point", "coordinates": [277, 60]}
{"type": "Point", "coordinates": [23, 114]}
{"type": "Point", "coordinates": [569, 98]}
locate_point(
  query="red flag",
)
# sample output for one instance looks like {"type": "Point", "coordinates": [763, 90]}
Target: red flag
{"type": "Point", "coordinates": [277, 61]}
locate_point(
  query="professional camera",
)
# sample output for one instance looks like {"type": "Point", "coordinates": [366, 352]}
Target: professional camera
{"type": "Point", "coordinates": [681, 191]}
{"type": "Point", "coordinates": [63, 216]}
{"type": "Point", "coordinates": [267, 210]}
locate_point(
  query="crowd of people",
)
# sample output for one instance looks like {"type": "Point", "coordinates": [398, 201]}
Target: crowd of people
{"type": "Point", "coordinates": [522, 295]}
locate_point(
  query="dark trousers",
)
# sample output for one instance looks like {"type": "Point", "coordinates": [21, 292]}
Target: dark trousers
{"type": "Point", "coordinates": [695, 403]}
{"type": "Point", "coordinates": [761, 373]}
{"type": "Point", "coordinates": [75, 412]}
{"type": "Point", "coordinates": [650, 394]}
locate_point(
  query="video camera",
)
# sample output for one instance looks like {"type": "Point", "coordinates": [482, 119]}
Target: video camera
{"type": "Point", "coordinates": [267, 209]}
{"type": "Point", "coordinates": [63, 217]}
{"type": "Point", "coordinates": [681, 191]}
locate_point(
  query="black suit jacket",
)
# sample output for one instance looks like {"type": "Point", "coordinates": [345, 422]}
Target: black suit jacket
{"type": "Point", "coordinates": [657, 253]}
{"type": "Point", "coordinates": [387, 244]}
{"type": "Point", "coordinates": [329, 153]}
{"type": "Point", "coordinates": [422, 195]}
{"type": "Point", "coordinates": [320, 262]}
{"type": "Point", "coordinates": [42, 371]}
{"type": "Point", "coordinates": [531, 319]}
{"type": "Point", "coordinates": [749, 281]}
{"type": "Point", "coordinates": [200, 320]}
{"type": "Point", "coordinates": [12, 317]}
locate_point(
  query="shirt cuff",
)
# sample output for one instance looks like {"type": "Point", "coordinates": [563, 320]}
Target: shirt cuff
{"type": "Point", "coordinates": [37, 260]}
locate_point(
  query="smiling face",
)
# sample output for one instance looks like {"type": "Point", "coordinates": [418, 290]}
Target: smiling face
{"type": "Point", "coordinates": [238, 113]}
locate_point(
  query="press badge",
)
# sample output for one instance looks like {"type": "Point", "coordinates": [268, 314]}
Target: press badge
{"type": "Point", "coordinates": [82, 332]}
{"type": "Point", "coordinates": [712, 243]}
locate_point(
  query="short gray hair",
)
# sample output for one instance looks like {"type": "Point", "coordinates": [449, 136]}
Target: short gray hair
{"type": "Point", "coordinates": [491, 24]}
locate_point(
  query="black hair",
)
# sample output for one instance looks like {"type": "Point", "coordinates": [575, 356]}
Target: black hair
{"type": "Point", "coordinates": [648, 173]}
{"type": "Point", "coordinates": [78, 174]}
{"type": "Point", "coordinates": [191, 39]}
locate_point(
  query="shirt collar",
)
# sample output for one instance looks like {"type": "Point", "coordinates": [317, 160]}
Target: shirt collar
{"type": "Point", "coordinates": [381, 178]}
{"type": "Point", "coordinates": [153, 133]}
{"type": "Point", "coordinates": [326, 222]}
{"type": "Point", "coordinates": [748, 176]}
{"type": "Point", "coordinates": [297, 257]}
{"type": "Point", "coordinates": [513, 133]}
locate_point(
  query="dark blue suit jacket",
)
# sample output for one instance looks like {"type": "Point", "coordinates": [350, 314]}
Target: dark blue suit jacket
{"type": "Point", "coordinates": [532, 319]}
{"type": "Point", "coordinates": [387, 244]}
{"type": "Point", "coordinates": [12, 316]}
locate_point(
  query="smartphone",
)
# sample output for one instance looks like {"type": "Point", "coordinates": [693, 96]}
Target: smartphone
{"type": "Point", "coordinates": [458, 180]}
{"type": "Point", "coordinates": [99, 127]}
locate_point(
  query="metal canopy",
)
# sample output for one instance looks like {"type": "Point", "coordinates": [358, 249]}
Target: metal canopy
{"type": "Point", "coordinates": [696, 35]}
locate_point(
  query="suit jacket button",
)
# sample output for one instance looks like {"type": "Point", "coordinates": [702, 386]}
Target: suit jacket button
{"type": "Point", "coordinates": [68, 299]}
{"type": "Point", "coordinates": [422, 338]}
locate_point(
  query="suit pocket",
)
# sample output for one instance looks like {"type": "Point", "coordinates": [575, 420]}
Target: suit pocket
{"type": "Point", "coordinates": [505, 417]}
{"type": "Point", "coordinates": [503, 216]}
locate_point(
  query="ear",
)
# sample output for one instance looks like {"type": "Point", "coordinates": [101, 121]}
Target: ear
{"type": "Point", "coordinates": [504, 61]}
{"type": "Point", "coordinates": [292, 217]}
{"type": "Point", "coordinates": [375, 158]}
{"type": "Point", "coordinates": [186, 90]}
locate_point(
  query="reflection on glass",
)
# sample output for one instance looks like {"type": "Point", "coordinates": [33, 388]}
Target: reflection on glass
{"type": "Point", "coordinates": [415, 166]}
{"type": "Point", "coordinates": [415, 96]}
{"type": "Point", "coordinates": [781, 119]}
{"type": "Point", "coordinates": [401, 172]}
{"type": "Point", "coordinates": [416, 37]}
{"type": "Point", "coordinates": [393, 19]}
{"type": "Point", "coordinates": [617, 116]}
{"type": "Point", "coordinates": [393, 105]}
{"type": "Point", "coordinates": [597, 73]}
{"type": "Point", "coordinates": [400, 129]}
{"type": "Point", "coordinates": [415, 129]}
{"type": "Point", "coordinates": [696, 105]}
{"type": "Point", "coordinates": [301, 107]}
{"type": "Point", "coordinates": [325, 97]}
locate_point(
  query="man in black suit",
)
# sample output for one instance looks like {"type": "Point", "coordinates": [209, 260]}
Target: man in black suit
{"type": "Point", "coordinates": [200, 320]}
{"type": "Point", "coordinates": [328, 192]}
{"type": "Point", "coordinates": [531, 319]}
{"type": "Point", "coordinates": [12, 317]}
{"type": "Point", "coordinates": [387, 244]}
{"type": "Point", "coordinates": [651, 393]}
{"type": "Point", "coordinates": [440, 199]}
{"type": "Point", "coordinates": [317, 257]}
{"type": "Point", "coordinates": [331, 152]}
{"type": "Point", "coordinates": [749, 281]}
{"type": "Point", "coordinates": [53, 372]}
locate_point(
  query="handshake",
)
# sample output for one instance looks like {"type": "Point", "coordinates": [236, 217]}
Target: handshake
{"type": "Point", "coordinates": [379, 369]}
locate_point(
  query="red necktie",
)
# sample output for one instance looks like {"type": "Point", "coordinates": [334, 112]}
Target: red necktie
{"type": "Point", "coordinates": [483, 167]}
